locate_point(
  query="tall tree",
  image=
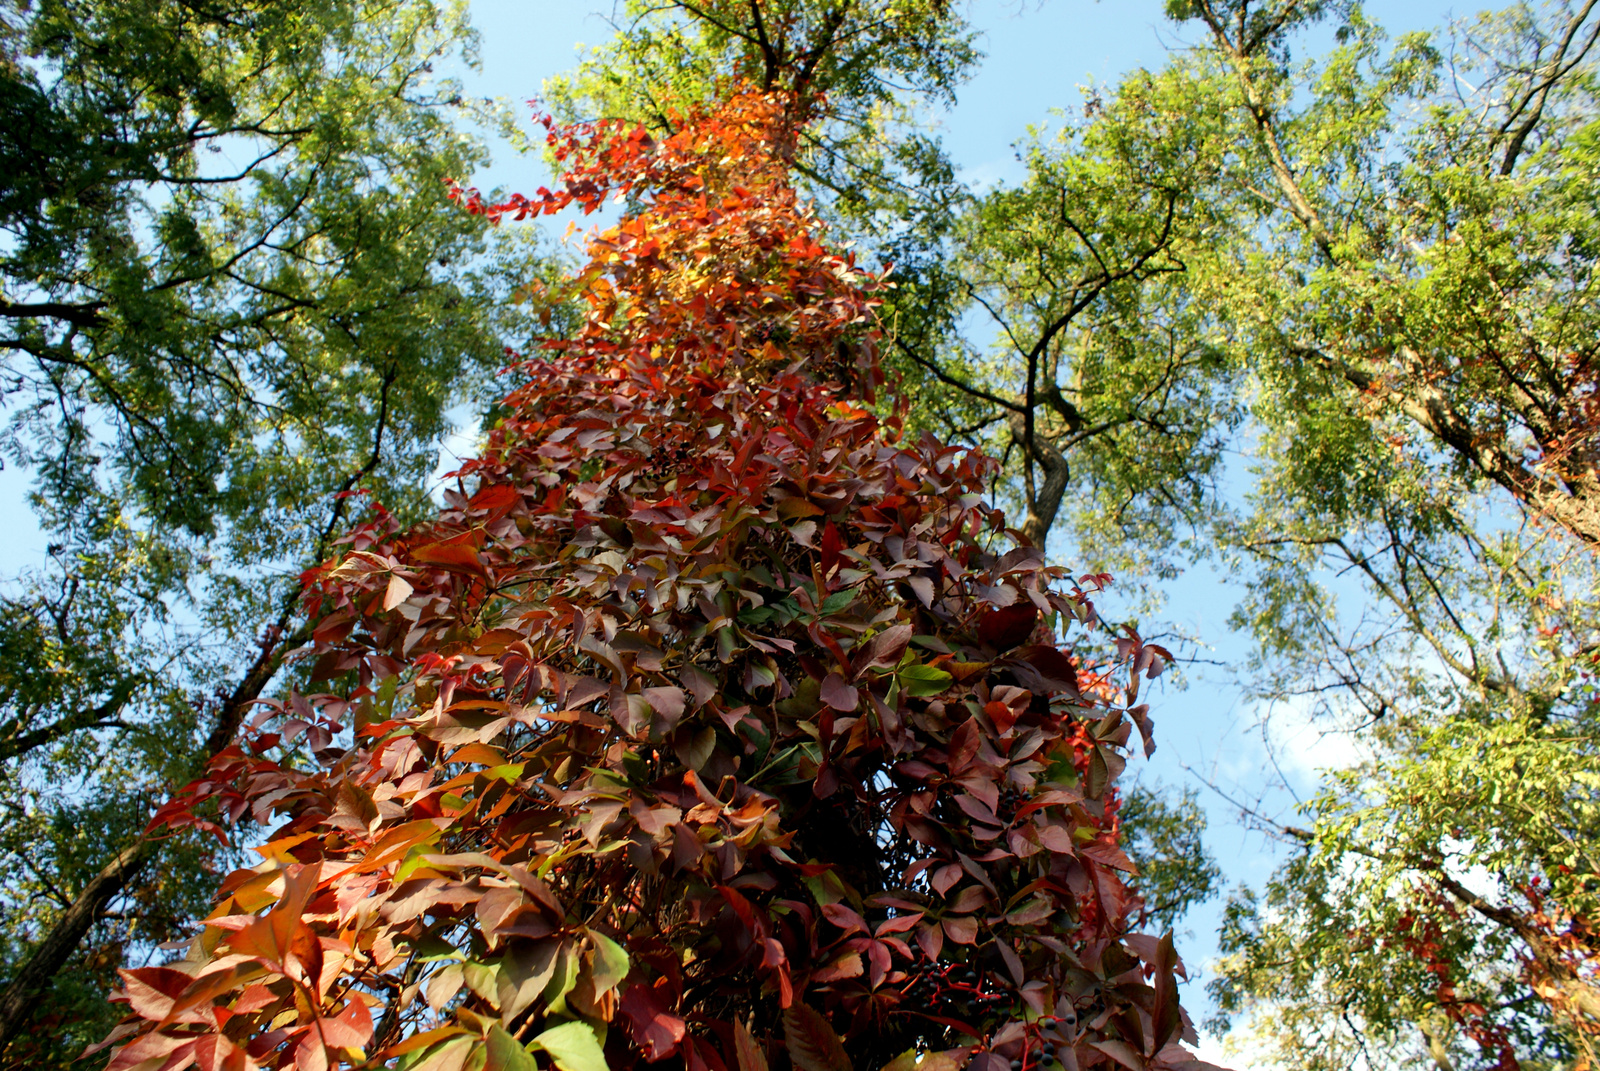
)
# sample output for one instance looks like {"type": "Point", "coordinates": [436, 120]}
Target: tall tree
{"type": "Point", "coordinates": [873, 165]}
{"type": "Point", "coordinates": [1379, 287]}
{"type": "Point", "coordinates": [232, 294]}
{"type": "Point", "coordinates": [1416, 286]}
{"type": "Point", "coordinates": [713, 720]}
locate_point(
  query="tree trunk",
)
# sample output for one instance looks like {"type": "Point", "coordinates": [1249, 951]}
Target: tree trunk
{"type": "Point", "coordinates": [58, 945]}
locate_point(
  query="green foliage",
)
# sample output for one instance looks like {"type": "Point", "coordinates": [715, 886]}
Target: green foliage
{"type": "Point", "coordinates": [1435, 867]}
{"type": "Point", "coordinates": [1402, 280]}
{"type": "Point", "coordinates": [1164, 832]}
{"type": "Point", "coordinates": [231, 287]}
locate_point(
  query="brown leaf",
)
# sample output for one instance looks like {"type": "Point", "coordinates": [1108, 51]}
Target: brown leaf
{"type": "Point", "coordinates": [526, 969]}
{"type": "Point", "coordinates": [750, 1055]}
{"type": "Point", "coordinates": [356, 802]}
{"type": "Point", "coordinates": [846, 965]}
{"type": "Point", "coordinates": [883, 650]}
{"type": "Point", "coordinates": [396, 593]}
{"type": "Point", "coordinates": [443, 987]}
{"type": "Point", "coordinates": [1122, 1052]}
{"type": "Point", "coordinates": [1166, 1018]}
{"type": "Point", "coordinates": [701, 685]}
{"type": "Point", "coordinates": [667, 702]}
{"type": "Point", "coordinates": [812, 1043]}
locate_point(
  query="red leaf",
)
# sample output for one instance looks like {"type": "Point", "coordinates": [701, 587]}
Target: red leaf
{"type": "Point", "coordinates": [963, 746]}
{"type": "Point", "coordinates": [832, 544]}
{"type": "Point", "coordinates": [839, 695]}
{"type": "Point", "coordinates": [1147, 727]}
{"type": "Point", "coordinates": [351, 1028]}
{"type": "Point", "coordinates": [1008, 626]}
{"type": "Point", "coordinates": [150, 1047]}
{"type": "Point", "coordinates": [1001, 716]}
{"type": "Point", "coordinates": [1109, 854]}
{"type": "Point", "coordinates": [151, 991]}
{"type": "Point", "coordinates": [497, 496]}
{"type": "Point", "coordinates": [844, 918]}
{"type": "Point", "coordinates": [879, 962]}
{"type": "Point", "coordinates": [651, 1025]}
{"type": "Point", "coordinates": [962, 930]}
{"type": "Point", "coordinates": [1056, 839]}
{"type": "Point", "coordinates": [899, 924]}
{"type": "Point", "coordinates": [1055, 669]}
{"type": "Point", "coordinates": [216, 1053]}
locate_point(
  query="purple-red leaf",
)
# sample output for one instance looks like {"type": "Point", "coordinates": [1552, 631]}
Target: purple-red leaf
{"type": "Point", "coordinates": [1008, 626]}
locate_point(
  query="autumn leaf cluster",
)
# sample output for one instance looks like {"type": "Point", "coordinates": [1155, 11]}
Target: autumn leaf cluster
{"type": "Point", "coordinates": [714, 722]}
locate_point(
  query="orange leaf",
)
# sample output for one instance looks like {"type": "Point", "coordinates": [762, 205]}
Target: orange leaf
{"type": "Point", "coordinates": [451, 556]}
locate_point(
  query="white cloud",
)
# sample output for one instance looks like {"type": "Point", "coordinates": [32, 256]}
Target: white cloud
{"type": "Point", "coordinates": [1305, 747]}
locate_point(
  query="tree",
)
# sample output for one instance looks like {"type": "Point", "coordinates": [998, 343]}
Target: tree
{"type": "Point", "coordinates": [1378, 287]}
{"type": "Point", "coordinates": [712, 720]}
{"type": "Point", "coordinates": [232, 293]}
{"type": "Point", "coordinates": [876, 63]}
{"type": "Point", "coordinates": [1423, 287]}
{"type": "Point", "coordinates": [875, 170]}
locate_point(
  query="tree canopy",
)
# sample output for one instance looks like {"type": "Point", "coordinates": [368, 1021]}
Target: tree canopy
{"type": "Point", "coordinates": [233, 292]}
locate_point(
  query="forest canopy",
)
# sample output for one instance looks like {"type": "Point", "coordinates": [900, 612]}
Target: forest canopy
{"type": "Point", "coordinates": [1307, 306]}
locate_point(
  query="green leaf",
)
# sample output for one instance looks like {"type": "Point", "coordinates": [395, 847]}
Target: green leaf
{"type": "Point", "coordinates": [610, 962]}
{"type": "Point", "coordinates": [837, 602]}
{"type": "Point", "coordinates": [575, 1046]}
{"type": "Point", "coordinates": [566, 977]}
{"type": "Point", "coordinates": [920, 681]}
{"type": "Point", "coordinates": [504, 1054]}
{"type": "Point", "coordinates": [484, 980]}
